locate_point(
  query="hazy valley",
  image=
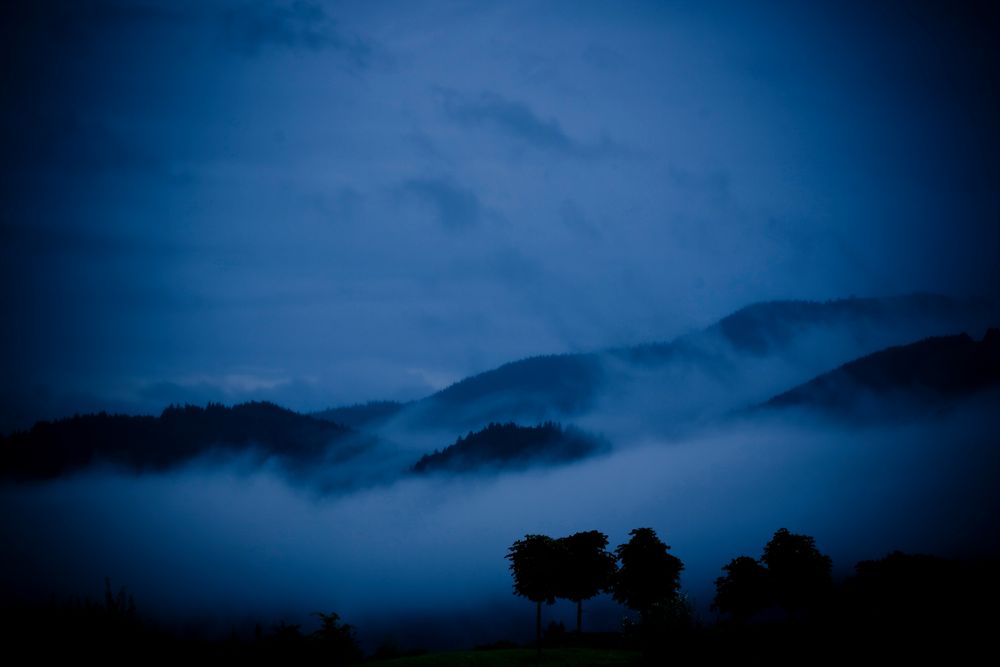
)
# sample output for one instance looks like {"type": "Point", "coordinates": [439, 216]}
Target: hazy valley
{"type": "Point", "coordinates": [790, 414]}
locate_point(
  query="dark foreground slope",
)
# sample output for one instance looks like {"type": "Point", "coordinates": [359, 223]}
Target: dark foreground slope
{"type": "Point", "coordinates": [929, 373]}
{"type": "Point", "coordinates": [178, 435]}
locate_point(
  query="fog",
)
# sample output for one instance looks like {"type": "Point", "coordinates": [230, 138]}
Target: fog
{"type": "Point", "coordinates": [235, 543]}
{"type": "Point", "coordinates": [694, 380]}
{"type": "Point", "coordinates": [320, 203]}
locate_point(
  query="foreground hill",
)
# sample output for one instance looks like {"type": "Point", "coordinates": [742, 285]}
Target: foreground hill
{"type": "Point", "coordinates": [515, 657]}
{"type": "Point", "coordinates": [747, 356]}
{"type": "Point", "coordinates": [511, 446]}
{"type": "Point", "coordinates": [178, 435]}
{"type": "Point", "coordinates": [928, 373]}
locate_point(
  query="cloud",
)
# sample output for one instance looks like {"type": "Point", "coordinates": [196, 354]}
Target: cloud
{"type": "Point", "coordinates": [69, 141]}
{"type": "Point", "coordinates": [575, 219]}
{"type": "Point", "coordinates": [456, 207]}
{"type": "Point", "coordinates": [602, 57]}
{"type": "Point", "coordinates": [43, 240]}
{"type": "Point", "coordinates": [519, 121]}
{"type": "Point", "coordinates": [74, 17]}
{"type": "Point", "coordinates": [713, 185]}
{"type": "Point", "coordinates": [114, 11]}
{"type": "Point", "coordinates": [298, 25]}
{"type": "Point", "coordinates": [189, 539]}
{"type": "Point", "coordinates": [341, 205]}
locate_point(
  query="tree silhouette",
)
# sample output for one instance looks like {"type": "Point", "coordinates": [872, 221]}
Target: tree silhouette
{"type": "Point", "coordinates": [510, 446]}
{"type": "Point", "coordinates": [648, 576]}
{"type": "Point", "coordinates": [534, 564]}
{"type": "Point", "coordinates": [905, 596]}
{"type": "Point", "coordinates": [337, 641]}
{"type": "Point", "coordinates": [798, 573]}
{"type": "Point", "coordinates": [179, 434]}
{"type": "Point", "coordinates": [744, 590]}
{"type": "Point", "coordinates": [587, 569]}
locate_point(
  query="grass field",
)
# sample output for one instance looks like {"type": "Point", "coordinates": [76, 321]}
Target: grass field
{"type": "Point", "coordinates": [570, 657]}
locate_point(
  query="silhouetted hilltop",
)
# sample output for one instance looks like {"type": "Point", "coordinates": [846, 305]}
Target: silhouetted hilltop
{"type": "Point", "coordinates": [511, 446]}
{"type": "Point", "coordinates": [361, 414]}
{"type": "Point", "coordinates": [922, 373]}
{"type": "Point", "coordinates": [178, 435]}
{"type": "Point", "coordinates": [903, 596]}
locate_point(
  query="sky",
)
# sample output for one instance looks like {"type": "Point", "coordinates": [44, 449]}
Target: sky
{"type": "Point", "coordinates": [321, 203]}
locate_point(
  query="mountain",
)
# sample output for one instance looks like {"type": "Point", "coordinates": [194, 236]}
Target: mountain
{"type": "Point", "coordinates": [655, 389]}
{"type": "Point", "coordinates": [926, 374]}
{"type": "Point", "coordinates": [361, 414]}
{"type": "Point", "coordinates": [506, 446]}
{"type": "Point", "coordinates": [178, 435]}
{"type": "Point", "coordinates": [533, 389]}
{"type": "Point", "coordinates": [742, 359]}
{"type": "Point", "coordinates": [764, 328]}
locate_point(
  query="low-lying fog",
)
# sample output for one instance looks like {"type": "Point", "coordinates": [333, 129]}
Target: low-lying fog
{"type": "Point", "coordinates": [232, 544]}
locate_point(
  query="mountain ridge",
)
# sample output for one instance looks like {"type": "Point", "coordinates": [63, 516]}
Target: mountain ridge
{"type": "Point", "coordinates": [654, 388]}
{"type": "Point", "coordinates": [178, 435]}
{"type": "Point", "coordinates": [929, 372]}
{"type": "Point", "coordinates": [564, 386]}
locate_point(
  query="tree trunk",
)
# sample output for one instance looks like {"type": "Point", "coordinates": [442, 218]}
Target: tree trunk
{"type": "Point", "coordinates": [579, 616]}
{"type": "Point", "coordinates": [538, 629]}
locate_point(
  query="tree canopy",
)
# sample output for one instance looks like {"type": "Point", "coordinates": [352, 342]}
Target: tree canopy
{"type": "Point", "coordinates": [587, 568]}
{"type": "Point", "coordinates": [506, 446]}
{"type": "Point", "coordinates": [647, 575]}
{"type": "Point", "coordinates": [744, 590]}
{"type": "Point", "coordinates": [178, 435]}
{"type": "Point", "coordinates": [799, 574]}
{"type": "Point", "coordinates": [534, 564]}
{"type": "Point", "coordinates": [791, 573]}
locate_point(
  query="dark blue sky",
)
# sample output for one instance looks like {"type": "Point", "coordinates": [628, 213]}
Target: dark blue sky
{"type": "Point", "coordinates": [322, 203]}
